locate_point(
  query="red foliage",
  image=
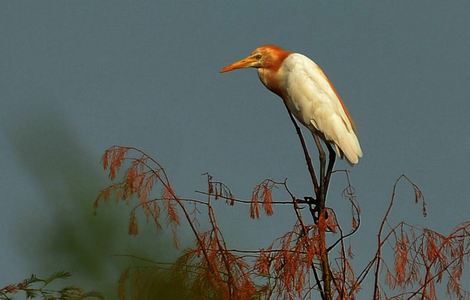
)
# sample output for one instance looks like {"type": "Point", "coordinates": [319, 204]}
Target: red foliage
{"type": "Point", "coordinates": [262, 191]}
{"type": "Point", "coordinates": [401, 260]}
{"type": "Point", "coordinates": [254, 207]}
{"type": "Point", "coordinates": [138, 182]}
{"type": "Point", "coordinates": [289, 267]}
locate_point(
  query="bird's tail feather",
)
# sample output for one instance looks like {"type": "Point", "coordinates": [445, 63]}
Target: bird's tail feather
{"type": "Point", "coordinates": [350, 147]}
{"type": "Point", "coordinates": [346, 142]}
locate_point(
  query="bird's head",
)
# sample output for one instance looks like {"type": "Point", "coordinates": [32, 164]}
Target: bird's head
{"type": "Point", "coordinates": [267, 56]}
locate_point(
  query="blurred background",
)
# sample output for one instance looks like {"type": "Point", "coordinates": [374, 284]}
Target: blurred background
{"type": "Point", "coordinates": [78, 77]}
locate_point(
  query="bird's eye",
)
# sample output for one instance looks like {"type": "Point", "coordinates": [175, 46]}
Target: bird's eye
{"type": "Point", "coordinates": [258, 56]}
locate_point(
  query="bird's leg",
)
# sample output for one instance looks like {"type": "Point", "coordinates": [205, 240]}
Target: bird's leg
{"type": "Point", "coordinates": [331, 163]}
{"type": "Point", "coordinates": [322, 157]}
{"type": "Point", "coordinates": [311, 170]}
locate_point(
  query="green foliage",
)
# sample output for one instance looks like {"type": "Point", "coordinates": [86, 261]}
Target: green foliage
{"type": "Point", "coordinates": [67, 180]}
{"type": "Point", "coordinates": [36, 287]}
{"type": "Point", "coordinates": [153, 282]}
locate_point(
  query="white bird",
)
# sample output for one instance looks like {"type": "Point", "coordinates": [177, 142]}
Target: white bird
{"type": "Point", "coordinates": [308, 94]}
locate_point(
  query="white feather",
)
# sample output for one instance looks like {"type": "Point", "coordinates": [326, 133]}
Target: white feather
{"type": "Point", "coordinates": [313, 101]}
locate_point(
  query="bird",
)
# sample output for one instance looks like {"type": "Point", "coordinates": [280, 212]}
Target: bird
{"type": "Point", "coordinates": [308, 94]}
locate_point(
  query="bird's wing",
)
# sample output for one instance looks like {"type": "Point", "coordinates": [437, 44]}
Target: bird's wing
{"type": "Point", "coordinates": [306, 82]}
{"type": "Point", "coordinates": [314, 101]}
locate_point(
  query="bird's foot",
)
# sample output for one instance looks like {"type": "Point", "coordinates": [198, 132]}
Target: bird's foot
{"type": "Point", "coordinates": [306, 200]}
{"type": "Point", "coordinates": [314, 207]}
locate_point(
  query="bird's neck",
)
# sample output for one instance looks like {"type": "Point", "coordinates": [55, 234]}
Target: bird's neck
{"type": "Point", "coordinates": [270, 79]}
{"type": "Point", "coordinates": [271, 73]}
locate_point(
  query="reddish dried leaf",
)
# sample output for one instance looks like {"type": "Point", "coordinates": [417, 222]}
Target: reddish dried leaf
{"type": "Point", "coordinates": [263, 263]}
{"type": "Point", "coordinates": [254, 206]}
{"type": "Point", "coordinates": [117, 156]}
{"type": "Point", "coordinates": [135, 177]}
{"type": "Point", "coordinates": [401, 259]}
{"type": "Point", "coordinates": [267, 200]}
{"type": "Point", "coordinates": [355, 223]}
{"type": "Point", "coordinates": [172, 215]}
{"type": "Point", "coordinates": [312, 249]}
{"type": "Point", "coordinates": [146, 188]}
{"type": "Point", "coordinates": [169, 199]}
{"type": "Point", "coordinates": [103, 196]}
{"type": "Point", "coordinates": [246, 290]}
{"type": "Point", "coordinates": [432, 250]}
{"type": "Point", "coordinates": [105, 159]}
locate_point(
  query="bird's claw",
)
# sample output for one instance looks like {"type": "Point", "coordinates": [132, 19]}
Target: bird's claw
{"type": "Point", "coordinates": [314, 207]}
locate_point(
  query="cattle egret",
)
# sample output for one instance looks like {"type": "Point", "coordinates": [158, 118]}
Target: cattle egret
{"type": "Point", "coordinates": [308, 94]}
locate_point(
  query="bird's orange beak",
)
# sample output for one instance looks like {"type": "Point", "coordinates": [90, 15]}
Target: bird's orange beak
{"type": "Point", "coordinates": [246, 62]}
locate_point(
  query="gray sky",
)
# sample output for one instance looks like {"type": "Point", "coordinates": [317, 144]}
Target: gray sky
{"type": "Point", "coordinates": [78, 77]}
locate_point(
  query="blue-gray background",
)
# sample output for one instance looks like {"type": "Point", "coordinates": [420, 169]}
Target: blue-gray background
{"type": "Point", "coordinates": [77, 77]}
